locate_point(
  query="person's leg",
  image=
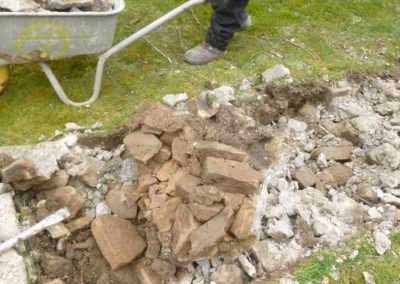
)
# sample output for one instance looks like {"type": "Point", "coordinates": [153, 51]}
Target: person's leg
{"type": "Point", "coordinates": [229, 17]}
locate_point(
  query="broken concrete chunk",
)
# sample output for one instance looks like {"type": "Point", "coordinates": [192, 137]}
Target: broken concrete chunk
{"type": "Point", "coordinates": [305, 177]}
{"type": "Point", "coordinates": [212, 232]}
{"type": "Point", "coordinates": [231, 176]}
{"type": "Point", "coordinates": [9, 226]}
{"type": "Point", "coordinates": [118, 204]}
{"type": "Point", "coordinates": [60, 5]}
{"type": "Point", "coordinates": [64, 197]}
{"type": "Point", "coordinates": [337, 153]}
{"type": "Point", "coordinates": [219, 150]}
{"type": "Point", "coordinates": [227, 273]}
{"type": "Point", "coordinates": [183, 227]}
{"type": "Point", "coordinates": [277, 72]}
{"type": "Point", "coordinates": [203, 212]}
{"type": "Point", "coordinates": [19, 170]}
{"type": "Point", "coordinates": [172, 100]}
{"type": "Point", "coordinates": [118, 240]}
{"type": "Point", "coordinates": [142, 146]}
{"type": "Point", "coordinates": [19, 5]}
{"type": "Point", "coordinates": [244, 220]}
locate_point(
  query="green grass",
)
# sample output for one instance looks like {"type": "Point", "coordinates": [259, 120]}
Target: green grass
{"type": "Point", "coordinates": [312, 38]}
{"type": "Point", "coordinates": [385, 269]}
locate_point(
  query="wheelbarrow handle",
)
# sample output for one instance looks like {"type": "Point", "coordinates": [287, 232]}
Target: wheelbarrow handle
{"type": "Point", "coordinates": [115, 49]}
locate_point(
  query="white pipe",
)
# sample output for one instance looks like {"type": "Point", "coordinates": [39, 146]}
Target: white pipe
{"type": "Point", "coordinates": [49, 221]}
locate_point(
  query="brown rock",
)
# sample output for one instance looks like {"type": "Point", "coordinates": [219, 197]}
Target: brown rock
{"type": "Point", "coordinates": [340, 173]}
{"type": "Point", "coordinates": [195, 168]}
{"type": "Point", "coordinates": [164, 216]}
{"type": "Point", "coordinates": [64, 197]}
{"type": "Point", "coordinates": [186, 186]}
{"type": "Point", "coordinates": [233, 200]}
{"type": "Point", "coordinates": [231, 176]}
{"type": "Point", "coordinates": [142, 146]}
{"type": "Point", "coordinates": [219, 150]}
{"type": "Point", "coordinates": [131, 191]}
{"type": "Point", "coordinates": [171, 187]}
{"type": "Point", "coordinates": [56, 266]}
{"type": "Point", "coordinates": [241, 227]}
{"type": "Point", "coordinates": [167, 170]}
{"type": "Point", "coordinates": [212, 232]}
{"type": "Point", "coordinates": [116, 200]}
{"type": "Point", "coordinates": [305, 235]}
{"type": "Point", "coordinates": [366, 193]}
{"type": "Point", "coordinates": [163, 156]}
{"type": "Point", "coordinates": [180, 150]}
{"type": "Point", "coordinates": [309, 113]}
{"type": "Point", "coordinates": [162, 118]}
{"type": "Point", "coordinates": [150, 130]}
{"type": "Point", "coordinates": [124, 275]}
{"type": "Point", "coordinates": [153, 247]}
{"type": "Point", "coordinates": [145, 273]}
{"type": "Point", "coordinates": [348, 132]}
{"type": "Point", "coordinates": [118, 240]}
{"type": "Point", "coordinates": [204, 213]}
{"type": "Point", "coordinates": [145, 182]}
{"type": "Point", "coordinates": [93, 172]}
{"type": "Point", "coordinates": [55, 281]}
{"type": "Point", "coordinates": [167, 138]}
{"type": "Point", "coordinates": [227, 274]}
{"type": "Point", "coordinates": [158, 200]}
{"type": "Point", "coordinates": [326, 178]}
{"type": "Point", "coordinates": [337, 153]}
{"type": "Point", "coordinates": [163, 268]}
{"type": "Point", "coordinates": [58, 231]}
{"type": "Point", "coordinates": [19, 170]}
{"type": "Point", "coordinates": [183, 227]}
{"type": "Point", "coordinates": [305, 177]}
{"type": "Point", "coordinates": [58, 179]}
{"type": "Point", "coordinates": [79, 224]}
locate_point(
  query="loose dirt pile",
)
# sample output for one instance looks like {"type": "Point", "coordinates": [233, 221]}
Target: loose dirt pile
{"type": "Point", "coordinates": [222, 188]}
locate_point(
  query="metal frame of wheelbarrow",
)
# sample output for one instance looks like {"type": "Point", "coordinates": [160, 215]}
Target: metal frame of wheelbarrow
{"type": "Point", "coordinates": [116, 48]}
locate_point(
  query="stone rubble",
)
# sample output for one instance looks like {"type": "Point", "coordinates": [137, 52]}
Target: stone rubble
{"type": "Point", "coordinates": [224, 192]}
{"type": "Point", "coordinates": [56, 6]}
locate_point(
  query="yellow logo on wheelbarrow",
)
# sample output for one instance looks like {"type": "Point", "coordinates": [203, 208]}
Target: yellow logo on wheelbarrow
{"type": "Point", "coordinates": [43, 40]}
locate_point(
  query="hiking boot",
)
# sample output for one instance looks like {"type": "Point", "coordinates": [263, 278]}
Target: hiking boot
{"type": "Point", "coordinates": [202, 54]}
{"type": "Point", "coordinates": [246, 24]}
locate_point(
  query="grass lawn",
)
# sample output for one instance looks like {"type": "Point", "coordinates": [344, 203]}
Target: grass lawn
{"type": "Point", "coordinates": [312, 38]}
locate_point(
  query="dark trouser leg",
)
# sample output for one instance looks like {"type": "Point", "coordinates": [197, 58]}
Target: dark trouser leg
{"type": "Point", "coordinates": [228, 18]}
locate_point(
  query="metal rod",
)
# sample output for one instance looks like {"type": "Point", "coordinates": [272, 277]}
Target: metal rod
{"type": "Point", "coordinates": [49, 221]}
{"type": "Point", "coordinates": [116, 48]}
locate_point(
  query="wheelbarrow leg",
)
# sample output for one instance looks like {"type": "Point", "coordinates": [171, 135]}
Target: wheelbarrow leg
{"type": "Point", "coordinates": [115, 49]}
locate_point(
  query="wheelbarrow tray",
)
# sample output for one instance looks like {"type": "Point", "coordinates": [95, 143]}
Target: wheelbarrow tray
{"type": "Point", "coordinates": [38, 37]}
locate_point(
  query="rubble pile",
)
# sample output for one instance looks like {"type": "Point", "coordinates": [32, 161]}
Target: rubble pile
{"type": "Point", "coordinates": [220, 188]}
{"type": "Point", "coordinates": [56, 5]}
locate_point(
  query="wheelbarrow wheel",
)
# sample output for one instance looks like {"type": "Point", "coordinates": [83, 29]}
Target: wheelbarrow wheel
{"type": "Point", "coordinates": [4, 74]}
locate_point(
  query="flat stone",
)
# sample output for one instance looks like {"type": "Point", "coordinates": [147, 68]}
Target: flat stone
{"type": "Point", "coordinates": [93, 172]}
{"type": "Point", "coordinates": [231, 176]}
{"type": "Point", "coordinates": [142, 146]}
{"type": "Point", "coordinates": [58, 179]}
{"type": "Point", "coordinates": [233, 200]}
{"type": "Point", "coordinates": [161, 117]}
{"type": "Point", "coordinates": [203, 212]}
{"type": "Point", "coordinates": [145, 274]}
{"type": "Point", "coordinates": [167, 170]}
{"type": "Point", "coordinates": [118, 240]}
{"type": "Point", "coordinates": [337, 153]}
{"type": "Point", "coordinates": [244, 220]}
{"type": "Point", "coordinates": [212, 232]}
{"type": "Point", "coordinates": [219, 150]}
{"type": "Point", "coordinates": [145, 182]}
{"type": "Point", "coordinates": [12, 268]}
{"type": "Point", "coordinates": [183, 227]}
{"type": "Point", "coordinates": [9, 225]}
{"type": "Point", "coordinates": [19, 170]}
{"type": "Point", "coordinates": [164, 216]}
{"type": "Point", "coordinates": [153, 247]}
{"type": "Point", "coordinates": [227, 273]}
{"type": "Point", "coordinates": [64, 197]}
{"type": "Point", "coordinates": [340, 173]}
{"type": "Point", "coordinates": [186, 186]}
{"type": "Point", "coordinates": [79, 224]}
{"type": "Point", "coordinates": [149, 130]}
{"type": "Point", "coordinates": [163, 268]}
{"type": "Point", "coordinates": [180, 150]}
{"type": "Point", "coordinates": [59, 267]}
{"type": "Point", "coordinates": [305, 177]}
{"type": "Point", "coordinates": [163, 155]}
{"type": "Point", "coordinates": [131, 192]}
{"type": "Point", "coordinates": [118, 204]}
